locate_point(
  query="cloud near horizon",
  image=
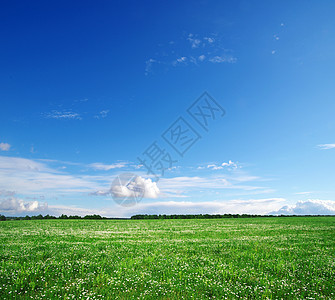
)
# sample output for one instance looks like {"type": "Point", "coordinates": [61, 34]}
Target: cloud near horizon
{"type": "Point", "coordinates": [309, 207]}
{"type": "Point", "coordinates": [251, 206]}
{"type": "Point", "coordinates": [266, 206]}
{"type": "Point", "coordinates": [15, 205]}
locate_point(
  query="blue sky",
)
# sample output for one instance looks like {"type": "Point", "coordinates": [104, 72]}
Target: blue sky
{"type": "Point", "coordinates": [86, 87]}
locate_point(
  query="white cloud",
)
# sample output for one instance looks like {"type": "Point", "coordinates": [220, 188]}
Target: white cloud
{"type": "Point", "coordinates": [180, 60]}
{"type": "Point", "coordinates": [151, 190]}
{"type": "Point", "coordinates": [4, 146]}
{"type": "Point", "coordinates": [195, 43]}
{"type": "Point", "coordinates": [213, 167]}
{"type": "Point", "coordinates": [14, 205]}
{"type": "Point", "coordinates": [223, 59]}
{"type": "Point", "coordinates": [102, 114]}
{"type": "Point", "coordinates": [149, 64]}
{"type": "Point", "coordinates": [202, 57]}
{"type": "Point", "coordinates": [105, 167]}
{"type": "Point", "coordinates": [309, 207]}
{"type": "Point", "coordinates": [209, 40]}
{"type": "Point", "coordinates": [63, 115]}
{"type": "Point", "coordinates": [326, 146]}
{"type": "Point", "coordinates": [229, 164]}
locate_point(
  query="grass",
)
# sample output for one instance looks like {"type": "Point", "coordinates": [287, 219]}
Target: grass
{"type": "Point", "coordinates": [261, 258]}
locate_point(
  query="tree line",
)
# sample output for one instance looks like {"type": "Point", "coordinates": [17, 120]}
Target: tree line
{"type": "Point", "coordinates": [48, 217]}
{"type": "Point", "coordinates": [217, 216]}
{"type": "Point", "coordinates": [197, 216]}
{"type": "Point", "coordinates": [153, 217]}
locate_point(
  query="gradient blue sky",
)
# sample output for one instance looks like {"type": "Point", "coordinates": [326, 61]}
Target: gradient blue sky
{"type": "Point", "coordinates": [87, 86]}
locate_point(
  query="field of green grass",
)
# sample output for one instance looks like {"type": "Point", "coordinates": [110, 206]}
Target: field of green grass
{"type": "Point", "coordinates": [261, 258]}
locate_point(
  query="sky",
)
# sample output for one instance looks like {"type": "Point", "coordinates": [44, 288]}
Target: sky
{"type": "Point", "coordinates": [231, 102]}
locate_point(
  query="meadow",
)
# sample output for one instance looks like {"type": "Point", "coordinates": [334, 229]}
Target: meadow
{"type": "Point", "coordinates": [258, 258]}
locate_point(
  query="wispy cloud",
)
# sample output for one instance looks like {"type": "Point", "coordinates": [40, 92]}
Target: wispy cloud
{"type": "Point", "coordinates": [202, 57]}
{"type": "Point", "coordinates": [326, 146]}
{"type": "Point", "coordinates": [219, 182]}
{"type": "Point", "coordinates": [18, 164]}
{"type": "Point", "coordinates": [303, 193]}
{"type": "Point", "coordinates": [149, 65]}
{"type": "Point", "coordinates": [180, 60]}
{"type": "Point", "coordinates": [102, 114]}
{"type": "Point", "coordinates": [229, 165]}
{"type": "Point", "coordinates": [63, 115]}
{"type": "Point", "coordinates": [106, 167]}
{"type": "Point", "coordinates": [4, 146]}
{"type": "Point", "coordinates": [192, 49]}
{"type": "Point", "coordinates": [4, 193]}
{"type": "Point", "coordinates": [209, 39]}
{"type": "Point", "coordinates": [26, 176]}
{"type": "Point", "coordinates": [81, 100]}
{"type": "Point", "coordinates": [195, 43]}
{"type": "Point", "coordinates": [222, 59]}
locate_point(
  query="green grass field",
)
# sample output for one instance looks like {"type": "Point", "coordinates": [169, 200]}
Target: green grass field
{"type": "Point", "coordinates": [261, 258]}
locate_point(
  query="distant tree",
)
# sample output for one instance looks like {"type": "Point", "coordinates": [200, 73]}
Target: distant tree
{"type": "Point", "coordinates": [39, 217]}
{"type": "Point", "coordinates": [26, 218]}
{"type": "Point", "coordinates": [2, 218]}
{"type": "Point", "coordinates": [93, 217]}
{"type": "Point", "coordinates": [49, 217]}
{"type": "Point", "coordinates": [63, 217]}
{"type": "Point", "coordinates": [74, 217]}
